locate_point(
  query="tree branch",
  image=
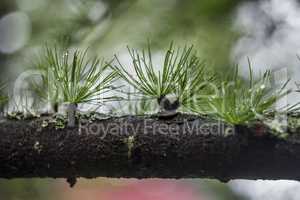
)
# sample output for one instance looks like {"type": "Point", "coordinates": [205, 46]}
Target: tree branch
{"type": "Point", "coordinates": [185, 146]}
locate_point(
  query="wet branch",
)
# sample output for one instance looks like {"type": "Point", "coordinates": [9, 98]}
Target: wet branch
{"type": "Point", "coordinates": [185, 146]}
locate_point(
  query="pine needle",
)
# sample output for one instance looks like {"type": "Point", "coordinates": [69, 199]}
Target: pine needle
{"type": "Point", "coordinates": [73, 78]}
{"type": "Point", "coordinates": [239, 102]}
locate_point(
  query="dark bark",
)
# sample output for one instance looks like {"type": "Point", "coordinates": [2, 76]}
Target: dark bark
{"type": "Point", "coordinates": [185, 146]}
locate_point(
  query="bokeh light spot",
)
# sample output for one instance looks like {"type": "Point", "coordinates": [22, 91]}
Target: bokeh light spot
{"type": "Point", "coordinates": [15, 29]}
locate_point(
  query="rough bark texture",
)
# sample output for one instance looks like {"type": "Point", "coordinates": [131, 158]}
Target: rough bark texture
{"type": "Point", "coordinates": [185, 146]}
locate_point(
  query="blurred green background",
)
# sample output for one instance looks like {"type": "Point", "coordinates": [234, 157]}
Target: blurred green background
{"type": "Point", "coordinates": [106, 27]}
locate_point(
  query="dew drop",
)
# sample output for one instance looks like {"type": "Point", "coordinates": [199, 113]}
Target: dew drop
{"type": "Point", "coordinates": [262, 87]}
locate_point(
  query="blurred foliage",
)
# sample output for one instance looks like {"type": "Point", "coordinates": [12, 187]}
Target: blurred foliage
{"type": "Point", "coordinates": [26, 189]}
{"type": "Point", "coordinates": [214, 188]}
{"type": "Point", "coordinates": [107, 26]}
